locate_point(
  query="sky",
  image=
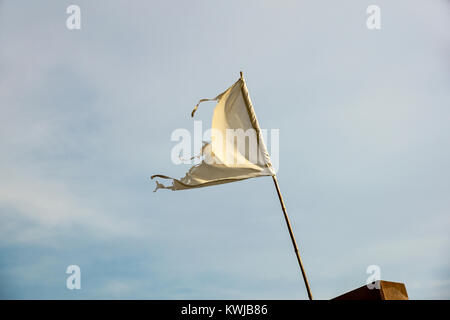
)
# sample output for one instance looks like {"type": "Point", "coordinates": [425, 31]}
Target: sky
{"type": "Point", "coordinates": [87, 116]}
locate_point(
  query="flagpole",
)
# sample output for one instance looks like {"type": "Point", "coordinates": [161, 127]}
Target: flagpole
{"type": "Point", "coordinates": [283, 207]}
{"type": "Point", "coordinates": [291, 233]}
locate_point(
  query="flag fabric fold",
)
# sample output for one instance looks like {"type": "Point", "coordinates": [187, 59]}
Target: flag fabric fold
{"type": "Point", "coordinates": [236, 151]}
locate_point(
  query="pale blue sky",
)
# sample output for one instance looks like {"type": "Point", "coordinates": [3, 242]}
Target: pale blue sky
{"type": "Point", "coordinates": [86, 118]}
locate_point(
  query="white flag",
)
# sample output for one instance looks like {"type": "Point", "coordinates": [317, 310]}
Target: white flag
{"type": "Point", "coordinates": [236, 151]}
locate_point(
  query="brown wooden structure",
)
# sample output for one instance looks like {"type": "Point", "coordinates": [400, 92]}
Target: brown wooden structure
{"type": "Point", "coordinates": [388, 290]}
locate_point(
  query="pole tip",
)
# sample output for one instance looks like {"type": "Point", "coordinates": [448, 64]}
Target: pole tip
{"type": "Point", "coordinates": [242, 75]}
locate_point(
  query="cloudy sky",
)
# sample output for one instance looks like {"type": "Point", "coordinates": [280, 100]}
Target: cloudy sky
{"type": "Point", "coordinates": [87, 115]}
